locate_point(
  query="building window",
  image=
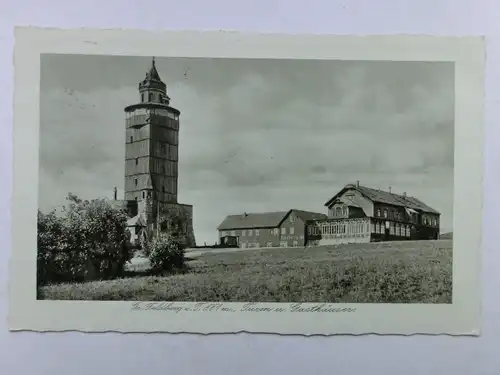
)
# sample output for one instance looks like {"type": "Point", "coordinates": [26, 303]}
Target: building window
{"type": "Point", "coordinates": [233, 233]}
{"type": "Point", "coordinates": [136, 161]}
{"type": "Point", "coordinates": [283, 244]}
{"type": "Point", "coordinates": [257, 232]}
{"type": "Point", "coordinates": [434, 222]}
{"type": "Point", "coordinates": [243, 232]}
{"type": "Point", "coordinates": [150, 97]}
{"type": "Point", "coordinates": [249, 232]}
{"type": "Point", "coordinates": [391, 228]}
{"type": "Point", "coordinates": [292, 219]}
{"type": "Point", "coordinates": [143, 195]}
{"type": "Point", "coordinates": [135, 182]}
{"type": "Point", "coordinates": [338, 211]}
{"type": "Point", "coordinates": [385, 213]}
{"type": "Point", "coordinates": [378, 212]}
{"type": "Point", "coordinates": [283, 230]}
{"type": "Point", "coordinates": [131, 139]}
{"type": "Point", "coordinates": [344, 211]}
{"type": "Point", "coordinates": [142, 97]}
{"type": "Point", "coordinates": [398, 230]}
{"type": "Point", "coordinates": [292, 230]}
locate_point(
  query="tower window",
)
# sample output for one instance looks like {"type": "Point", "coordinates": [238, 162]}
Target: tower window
{"type": "Point", "coordinates": [143, 194]}
{"type": "Point", "coordinates": [142, 97]}
{"type": "Point", "coordinates": [136, 182]}
{"type": "Point", "coordinates": [150, 97]}
{"type": "Point", "coordinates": [131, 139]}
{"type": "Point", "coordinates": [136, 161]}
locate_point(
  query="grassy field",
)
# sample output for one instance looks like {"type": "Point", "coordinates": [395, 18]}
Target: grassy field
{"type": "Point", "coordinates": [391, 272]}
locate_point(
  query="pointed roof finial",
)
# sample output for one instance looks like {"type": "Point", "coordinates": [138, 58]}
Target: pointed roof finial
{"type": "Point", "coordinates": [152, 74]}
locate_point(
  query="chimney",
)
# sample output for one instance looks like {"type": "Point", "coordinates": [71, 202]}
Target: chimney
{"type": "Point", "coordinates": [404, 194]}
{"type": "Point", "coordinates": [114, 193]}
{"type": "Point", "coordinates": [390, 189]}
{"type": "Point", "coordinates": [357, 184]}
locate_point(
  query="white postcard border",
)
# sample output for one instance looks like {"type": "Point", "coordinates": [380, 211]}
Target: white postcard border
{"type": "Point", "coordinates": [460, 317]}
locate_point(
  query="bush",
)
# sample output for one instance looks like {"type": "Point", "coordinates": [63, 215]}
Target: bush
{"type": "Point", "coordinates": [88, 241]}
{"type": "Point", "coordinates": [166, 253]}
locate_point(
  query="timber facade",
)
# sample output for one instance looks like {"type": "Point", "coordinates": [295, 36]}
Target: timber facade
{"type": "Point", "coordinates": [362, 214]}
{"type": "Point", "coordinates": [269, 229]}
{"type": "Point", "coordinates": [356, 214]}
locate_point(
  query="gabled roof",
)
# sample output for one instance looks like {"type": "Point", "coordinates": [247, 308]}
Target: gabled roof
{"type": "Point", "coordinates": [348, 202]}
{"type": "Point", "coordinates": [253, 220]}
{"type": "Point", "coordinates": [265, 219]}
{"type": "Point", "coordinates": [385, 197]}
{"type": "Point", "coordinates": [308, 215]}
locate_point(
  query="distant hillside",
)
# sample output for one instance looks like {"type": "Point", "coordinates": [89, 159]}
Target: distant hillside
{"type": "Point", "coordinates": [446, 236]}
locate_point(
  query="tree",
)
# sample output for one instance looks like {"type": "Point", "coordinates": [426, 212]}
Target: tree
{"type": "Point", "coordinates": [166, 253]}
{"type": "Point", "coordinates": [89, 240]}
{"type": "Point", "coordinates": [166, 249]}
{"type": "Point", "coordinates": [174, 222]}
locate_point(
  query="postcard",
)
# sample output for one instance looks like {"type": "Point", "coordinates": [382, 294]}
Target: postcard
{"type": "Point", "coordinates": [218, 182]}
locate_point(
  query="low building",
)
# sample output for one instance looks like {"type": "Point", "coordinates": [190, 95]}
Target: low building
{"type": "Point", "coordinates": [268, 229]}
{"type": "Point", "coordinates": [362, 214]}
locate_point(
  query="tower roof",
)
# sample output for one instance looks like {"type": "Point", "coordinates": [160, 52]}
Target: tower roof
{"type": "Point", "coordinates": [149, 183]}
{"type": "Point", "coordinates": [152, 79]}
{"type": "Point", "coordinates": [152, 74]}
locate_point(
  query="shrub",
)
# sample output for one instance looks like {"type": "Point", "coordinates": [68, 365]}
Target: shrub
{"type": "Point", "coordinates": [88, 241]}
{"type": "Point", "coordinates": [166, 253]}
{"type": "Point", "coordinates": [175, 223]}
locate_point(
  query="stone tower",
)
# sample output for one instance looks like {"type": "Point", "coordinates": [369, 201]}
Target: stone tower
{"type": "Point", "coordinates": [151, 146]}
{"type": "Point", "coordinates": [152, 155]}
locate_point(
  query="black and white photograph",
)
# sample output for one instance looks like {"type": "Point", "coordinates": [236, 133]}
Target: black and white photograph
{"type": "Point", "coordinates": [191, 183]}
{"type": "Point", "coordinates": [307, 180]}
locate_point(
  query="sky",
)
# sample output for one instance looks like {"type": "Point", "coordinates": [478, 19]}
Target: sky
{"type": "Point", "coordinates": [255, 135]}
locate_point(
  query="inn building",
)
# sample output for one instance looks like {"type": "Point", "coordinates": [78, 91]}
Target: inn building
{"type": "Point", "coordinates": [268, 229]}
{"type": "Point", "coordinates": [361, 214]}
